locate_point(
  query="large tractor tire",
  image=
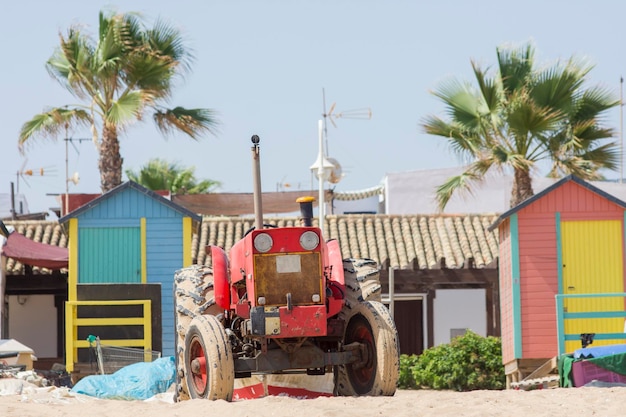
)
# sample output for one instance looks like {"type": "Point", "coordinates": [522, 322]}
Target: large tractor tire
{"type": "Point", "coordinates": [209, 365]}
{"type": "Point", "coordinates": [367, 321]}
{"type": "Point", "coordinates": [370, 323]}
{"type": "Point", "coordinates": [193, 296]}
{"type": "Point", "coordinates": [362, 279]}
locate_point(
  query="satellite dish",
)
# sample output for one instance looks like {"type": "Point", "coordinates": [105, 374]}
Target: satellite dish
{"type": "Point", "coordinates": [74, 178]}
{"type": "Point", "coordinates": [336, 174]}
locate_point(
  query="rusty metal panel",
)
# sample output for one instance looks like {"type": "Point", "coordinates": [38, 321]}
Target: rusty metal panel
{"type": "Point", "coordinates": [303, 321]}
{"type": "Point", "coordinates": [592, 264]}
{"type": "Point", "coordinates": [300, 321]}
{"type": "Point", "coordinates": [276, 275]}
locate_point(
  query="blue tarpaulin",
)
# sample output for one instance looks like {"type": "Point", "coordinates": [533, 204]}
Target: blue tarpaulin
{"type": "Point", "coordinates": [138, 381]}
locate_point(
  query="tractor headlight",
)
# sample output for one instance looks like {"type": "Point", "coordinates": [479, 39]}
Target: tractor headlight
{"type": "Point", "coordinates": [309, 240]}
{"type": "Point", "coordinates": [263, 242]}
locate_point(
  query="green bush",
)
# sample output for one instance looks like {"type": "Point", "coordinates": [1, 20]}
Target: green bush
{"type": "Point", "coordinates": [469, 362]}
{"type": "Point", "coordinates": [407, 363]}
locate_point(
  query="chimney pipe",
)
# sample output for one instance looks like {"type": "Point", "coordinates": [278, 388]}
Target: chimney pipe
{"type": "Point", "coordinates": [306, 210]}
{"type": "Point", "coordinates": [256, 176]}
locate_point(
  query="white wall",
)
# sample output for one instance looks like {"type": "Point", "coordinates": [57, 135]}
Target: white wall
{"type": "Point", "coordinates": [33, 322]}
{"type": "Point", "coordinates": [413, 192]}
{"type": "Point", "coordinates": [366, 205]}
{"type": "Point", "coordinates": [459, 309]}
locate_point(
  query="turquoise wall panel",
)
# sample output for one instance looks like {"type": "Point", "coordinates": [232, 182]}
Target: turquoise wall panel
{"type": "Point", "coordinates": [109, 255]}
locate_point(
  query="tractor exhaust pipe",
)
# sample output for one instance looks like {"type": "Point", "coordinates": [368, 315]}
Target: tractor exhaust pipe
{"type": "Point", "coordinates": [256, 178]}
{"type": "Point", "coordinates": [306, 210]}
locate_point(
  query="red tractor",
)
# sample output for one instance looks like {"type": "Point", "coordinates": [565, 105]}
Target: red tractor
{"type": "Point", "coordinates": [283, 301]}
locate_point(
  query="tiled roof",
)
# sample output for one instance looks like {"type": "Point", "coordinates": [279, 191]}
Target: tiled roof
{"type": "Point", "coordinates": [399, 241]}
{"type": "Point", "coordinates": [47, 232]}
{"type": "Point", "coordinates": [405, 242]}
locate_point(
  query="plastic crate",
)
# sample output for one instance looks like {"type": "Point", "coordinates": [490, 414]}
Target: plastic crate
{"type": "Point", "coordinates": [584, 372]}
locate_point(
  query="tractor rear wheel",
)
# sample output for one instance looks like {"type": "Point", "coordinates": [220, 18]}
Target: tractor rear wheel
{"type": "Point", "coordinates": [193, 296]}
{"type": "Point", "coordinates": [209, 365]}
{"type": "Point", "coordinates": [362, 280]}
{"type": "Point", "coordinates": [370, 324]}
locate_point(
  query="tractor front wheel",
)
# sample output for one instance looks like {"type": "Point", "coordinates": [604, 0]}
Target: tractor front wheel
{"type": "Point", "coordinates": [371, 325]}
{"type": "Point", "coordinates": [208, 368]}
{"type": "Point", "coordinates": [194, 296]}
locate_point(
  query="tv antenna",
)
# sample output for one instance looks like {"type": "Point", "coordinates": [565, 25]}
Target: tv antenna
{"type": "Point", "coordinates": [75, 178]}
{"type": "Point", "coordinates": [364, 113]}
{"type": "Point", "coordinates": [23, 173]}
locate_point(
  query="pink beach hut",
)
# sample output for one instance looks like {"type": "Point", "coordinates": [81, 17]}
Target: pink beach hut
{"type": "Point", "coordinates": [561, 275]}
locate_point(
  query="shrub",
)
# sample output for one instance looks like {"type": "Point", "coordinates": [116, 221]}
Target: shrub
{"type": "Point", "coordinates": [407, 363]}
{"type": "Point", "coordinates": [469, 362]}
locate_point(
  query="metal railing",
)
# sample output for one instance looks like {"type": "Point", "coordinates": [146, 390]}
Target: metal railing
{"type": "Point", "coordinates": [562, 316]}
{"type": "Point", "coordinates": [73, 322]}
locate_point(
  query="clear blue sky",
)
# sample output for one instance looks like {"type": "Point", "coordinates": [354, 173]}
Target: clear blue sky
{"type": "Point", "coordinates": [262, 66]}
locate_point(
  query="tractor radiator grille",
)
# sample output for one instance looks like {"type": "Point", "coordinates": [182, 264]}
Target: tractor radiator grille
{"type": "Point", "coordinates": [300, 274]}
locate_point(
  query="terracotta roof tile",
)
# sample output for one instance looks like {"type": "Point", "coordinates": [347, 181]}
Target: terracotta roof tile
{"type": "Point", "coordinates": [398, 241]}
{"type": "Point", "coordinates": [404, 242]}
{"type": "Point", "coordinates": [379, 235]}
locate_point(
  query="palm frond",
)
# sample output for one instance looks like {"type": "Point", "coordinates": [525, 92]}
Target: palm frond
{"type": "Point", "coordinates": [148, 73]}
{"type": "Point", "coordinates": [527, 121]}
{"type": "Point", "coordinates": [110, 46]}
{"type": "Point", "coordinates": [52, 124]}
{"type": "Point", "coordinates": [515, 65]}
{"type": "Point", "coordinates": [554, 88]}
{"type": "Point", "coordinates": [605, 156]}
{"type": "Point", "coordinates": [168, 41]}
{"type": "Point", "coordinates": [193, 122]}
{"type": "Point", "coordinates": [461, 142]}
{"type": "Point", "coordinates": [520, 162]}
{"type": "Point", "coordinates": [131, 30]}
{"type": "Point", "coordinates": [589, 132]}
{"type": "Point", "coordinates": [593, 103]}
{"type": "Point", "coordinates": [462, 103]}
{"type": "Point", "coordinates": [490, 88]}
{"type": "Point", "coordinates": [71, 64]}
{"type": "Point", "coordinates": [500, 154]}
{"type": "Point", "coordinates": [126, 108]}
{"type": "Point", "coordinates": [462, 183]}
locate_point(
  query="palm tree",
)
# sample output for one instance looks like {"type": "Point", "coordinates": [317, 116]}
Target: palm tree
{"type": "Point", "coordinates": [129, 71]}
{"type": "Point", "coordinates": [520, 116]}
{"type": "Point", "coordinates": [158, 174]}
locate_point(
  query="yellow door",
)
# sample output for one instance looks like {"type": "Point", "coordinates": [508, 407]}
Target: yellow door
{"type": "Point", "coordinates": [592, 263]}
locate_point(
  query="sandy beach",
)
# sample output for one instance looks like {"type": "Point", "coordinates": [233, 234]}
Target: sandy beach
{"type": "Point", "coordinates": [587, 401]}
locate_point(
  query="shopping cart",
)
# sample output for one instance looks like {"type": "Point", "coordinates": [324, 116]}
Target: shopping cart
{"type": "Point", "coordinates": [112, 358]}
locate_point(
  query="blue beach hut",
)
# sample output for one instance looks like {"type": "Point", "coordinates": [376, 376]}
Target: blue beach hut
{"type": "Point", "coordinates": [121, 244]}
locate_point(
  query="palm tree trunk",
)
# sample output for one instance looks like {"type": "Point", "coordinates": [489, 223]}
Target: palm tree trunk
{"type": "Point", "coordinates": [522, 187]}
{"type": "Point", "coordinates": [110, 162]}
